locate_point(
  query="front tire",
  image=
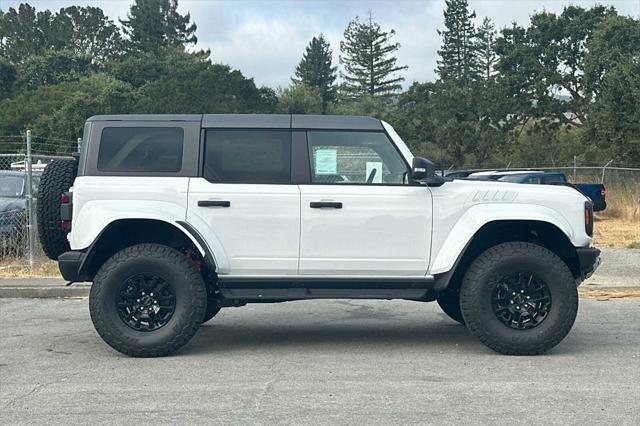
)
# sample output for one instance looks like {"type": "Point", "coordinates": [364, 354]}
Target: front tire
{"type": "Point", "coordinates": [519, 299]}
{"type": "Point", "coordinates": [147, 300]}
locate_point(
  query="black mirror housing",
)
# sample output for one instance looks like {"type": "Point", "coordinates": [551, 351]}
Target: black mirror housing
{"type": "Point", "coordinates": [422, 169]}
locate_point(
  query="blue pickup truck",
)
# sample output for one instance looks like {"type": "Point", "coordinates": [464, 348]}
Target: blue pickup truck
{"type": "Point", "coordinates": [595, 191]}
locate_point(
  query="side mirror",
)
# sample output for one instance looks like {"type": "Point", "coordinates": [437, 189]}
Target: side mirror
{"type": "Point", "coordinates": [422, 169]}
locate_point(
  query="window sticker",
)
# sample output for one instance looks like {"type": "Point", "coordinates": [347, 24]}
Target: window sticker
{"type": "Point", "coordinates": [326, 162]}
{"type": "Point", "coordinates": [377, 175]}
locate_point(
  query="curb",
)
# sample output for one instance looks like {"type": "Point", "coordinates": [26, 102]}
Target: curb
{"type": "Point", "coordinates": [42, 292]}
{"type": "Point", "coordinates": [82, 290]}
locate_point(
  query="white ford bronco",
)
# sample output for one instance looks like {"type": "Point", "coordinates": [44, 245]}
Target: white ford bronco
{"type": "Point", "coordinates": [173, 217]}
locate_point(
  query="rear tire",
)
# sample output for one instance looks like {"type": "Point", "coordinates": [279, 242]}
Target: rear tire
{"type": "Point", "coordinates": [449, 301]}
{"type": "Point", "coordinates": [57, 178]}
{"type": "Point", "coordinates": [147, 300]}
{"type": "Point", "coordinates": [519, 299]}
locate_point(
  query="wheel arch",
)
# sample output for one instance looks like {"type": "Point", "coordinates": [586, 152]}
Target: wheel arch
{"type": "Point", "coordinates": [545, 234]}
{"type": "Point", "coordinates": [123, 233]}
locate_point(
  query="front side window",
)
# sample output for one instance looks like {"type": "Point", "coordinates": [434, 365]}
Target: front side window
{"type": "Point", "coordinates": [141, 149]}
{"type": "Point", "coordinates": [248, 156]}
{"type": "Point", "coordinates": [354, 157]}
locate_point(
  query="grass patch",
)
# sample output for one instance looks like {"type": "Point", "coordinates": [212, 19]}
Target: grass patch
{"type": "Point", "coordinates": [616, 233]}
{"type": "Point", "coordinates": [619, 224]}
{"type": "Point", "coordinates": [18, 268]}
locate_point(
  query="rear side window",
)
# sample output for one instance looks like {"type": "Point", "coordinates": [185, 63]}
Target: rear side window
{"type": "Point", "coordinates": [248, 156]}
{"type": "Point", "coordinates": [141, 149]}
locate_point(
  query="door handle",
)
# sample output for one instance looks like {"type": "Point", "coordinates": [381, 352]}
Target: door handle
{"type": "Point", "coordinates": [214, 203]}
{"type": "Point", "coordinates": [325, 204]}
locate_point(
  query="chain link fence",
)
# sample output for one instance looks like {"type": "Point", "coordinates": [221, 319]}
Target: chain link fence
{"type": "Point", "coordinates": [22, 161]}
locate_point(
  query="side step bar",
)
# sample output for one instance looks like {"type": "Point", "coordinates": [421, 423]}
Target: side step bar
{"type": "Point", "coordinates": [292, 288]}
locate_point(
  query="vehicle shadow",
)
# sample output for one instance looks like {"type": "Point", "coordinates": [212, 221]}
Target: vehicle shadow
{"type": "Point", "coordinates": [439, 335]}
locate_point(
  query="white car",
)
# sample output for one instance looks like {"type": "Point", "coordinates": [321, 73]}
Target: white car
{"type": "Point", "coordinates": [173, 217]}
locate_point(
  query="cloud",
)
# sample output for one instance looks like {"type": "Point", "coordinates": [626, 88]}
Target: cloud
{"type": "Point", "coordinates": [267, 50]}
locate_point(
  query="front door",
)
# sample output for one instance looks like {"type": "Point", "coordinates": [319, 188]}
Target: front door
{"type": "Point", "coordinates": [245, 205]}
{"type": "Point", "coordinates": [359, 214]}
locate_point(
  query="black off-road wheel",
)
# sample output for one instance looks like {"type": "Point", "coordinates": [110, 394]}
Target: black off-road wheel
{"type": "Point", "coordinates": [519, 299]}
{"type": "Point", "coordinates": [57, 178]}
{"type": "Point", "coordinates": [449, 301]}
{"type": "Point", "coordinates": [147, 300]}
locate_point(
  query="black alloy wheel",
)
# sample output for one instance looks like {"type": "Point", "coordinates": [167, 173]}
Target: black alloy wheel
{"type": "Point", "coordinates": [146, 302]}
{"type": "Point", "coordinates": [521, 300]}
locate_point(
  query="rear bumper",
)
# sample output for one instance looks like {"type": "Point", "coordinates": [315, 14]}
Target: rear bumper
{"type": "Point", "coordinates": [70, 265]}
{"type": "Point", "coordinates": [589, 260]}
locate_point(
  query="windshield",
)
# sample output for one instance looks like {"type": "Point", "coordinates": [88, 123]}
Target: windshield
{"type": "Point", "coordinates": [11, 186]}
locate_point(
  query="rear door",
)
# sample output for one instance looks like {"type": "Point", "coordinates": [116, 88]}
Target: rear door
{"type": "Point", "coordinates": [359, 215]}
{"type": "Point", "coordinates": [244, 203]}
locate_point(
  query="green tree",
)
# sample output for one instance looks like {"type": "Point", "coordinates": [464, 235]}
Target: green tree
{"type": "Point", "coordinates": [87, 31]}
{"type": "Point", "coordinates": [367, 56]}
{"type": "Point", "coordinates": [616, 39]}
{"type": "Point", "coordinates": [458, 61]}
{"type": "Point", "coordinates": [190, 83]}
{"type": "Point", "coordinates": [7, 78]}
{"type": "Point", "coordinates": [315, 70]}
{"type": "Point", "coordinates": [52, 67]}
{"type": "Point", "coordinates": [59, 111]}
{"type": "Point", "coordinates": [156, 24]}
{"type": "Point", "coordinates": [485, 49]}
{"type": "Point", "coordinates": [23, 32]}
{"type": "Point", "coordinates": [452, 124]}
{"type": "Point", "coordinates": [546, 60]}
{"type": "Point", "coordinates": [614, 119]}
{"type": "Point", "coordinates": [26, 32]}
{"type": "Point", "coordinates": [300, 98]}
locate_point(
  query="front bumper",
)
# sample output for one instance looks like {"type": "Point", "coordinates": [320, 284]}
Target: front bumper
{"type": "Point", "coordinates": [70, 264]}
{"type": "Point", "coordinates": [589, 260]}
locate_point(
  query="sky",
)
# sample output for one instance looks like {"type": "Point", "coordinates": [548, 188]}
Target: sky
{"type": "Point", "coordinates": [265, 39]}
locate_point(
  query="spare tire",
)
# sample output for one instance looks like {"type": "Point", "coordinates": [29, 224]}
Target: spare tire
{"type": "Point", "coordinates": [57, 178]}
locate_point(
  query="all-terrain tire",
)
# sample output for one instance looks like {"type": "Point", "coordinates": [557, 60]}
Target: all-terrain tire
{"type": "Point", "coordinates": [480, 281]}
{"type": "Point", "coordinates": [449, 301]}
{"type": "Point", "coordinates": [176, 270]}
{"type": "Point", "coordinates": [57, 178]}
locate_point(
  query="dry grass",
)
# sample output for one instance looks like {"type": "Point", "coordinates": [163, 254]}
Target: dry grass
{"type": "Point", "coordinates": [618, 233]}
{"type": "Point", "coordinates": [619, 225]}
{"type": "Point", "coordinates": [18, 268]}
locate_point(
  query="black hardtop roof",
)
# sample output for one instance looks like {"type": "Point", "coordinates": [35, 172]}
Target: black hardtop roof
{"type": "Point", "coordinates": [257, 121]}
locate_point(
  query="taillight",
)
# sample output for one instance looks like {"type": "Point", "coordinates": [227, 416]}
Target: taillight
{"type": "Point", "coordinates": [603, 192]}
{"type": "Point", "coordinates": [66, 211]}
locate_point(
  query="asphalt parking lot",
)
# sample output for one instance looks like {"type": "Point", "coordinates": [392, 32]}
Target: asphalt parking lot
{"type": "Point", "coordinates": [318, 362]}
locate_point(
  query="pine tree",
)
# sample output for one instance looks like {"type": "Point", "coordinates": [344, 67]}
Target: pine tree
{"type": "Point", "coordinates": [485, 48]}
{"type": "Point", "coordinates": [315, 70]}
{"type": "Point", "coordinates": [155, 24]}
{"type": "Point", "coordinates": [458, 61]}
{"type": "Point", "coordinates": [369, 67]}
